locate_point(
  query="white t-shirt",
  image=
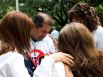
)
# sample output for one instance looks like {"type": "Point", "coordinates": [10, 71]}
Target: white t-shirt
{"type": "Point", "coordinates": [46, 45]}
{"type": "Point", "coordinates": [98, 37]}
{"type": "Point", "coordinates": [12, 65]}
{"type": "Point", "coordinates": [40, 49]}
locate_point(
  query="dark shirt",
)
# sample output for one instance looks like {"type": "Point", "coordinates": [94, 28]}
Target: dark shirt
{"type": "Point", "coordinates": [29, 66]}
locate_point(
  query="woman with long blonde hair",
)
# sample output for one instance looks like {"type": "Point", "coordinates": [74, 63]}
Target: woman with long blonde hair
{"type": "Point", "coordinates": [75, 39]}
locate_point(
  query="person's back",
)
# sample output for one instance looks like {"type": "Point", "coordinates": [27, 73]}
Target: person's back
{"type": "Point", "coordinates": [79, 43]}
{"type": "Point", "coordinates": [98, 37]}
{"type": "Point", "coordinates": [10, 65]}
{"type": "Point", "coordinates": [85, 14]}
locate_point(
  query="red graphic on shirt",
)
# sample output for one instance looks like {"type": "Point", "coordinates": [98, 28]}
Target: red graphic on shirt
{"type": "Point", "coordinates": [36, 56]}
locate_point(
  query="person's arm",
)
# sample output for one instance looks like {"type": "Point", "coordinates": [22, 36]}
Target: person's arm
{"type": "Point", "coordinates": [17, 68]}
{"type": "Point", "coordinates": [46, 66]}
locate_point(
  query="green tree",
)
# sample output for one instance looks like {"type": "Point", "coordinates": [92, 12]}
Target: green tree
{"type": "Point", "coordinates": [5, 6]}
{"type": "Point", "coordinates": [56, 8]}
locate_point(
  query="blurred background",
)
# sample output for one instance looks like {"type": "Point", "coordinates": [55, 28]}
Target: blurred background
{"type": "Point", "coordinates": [56, 8]}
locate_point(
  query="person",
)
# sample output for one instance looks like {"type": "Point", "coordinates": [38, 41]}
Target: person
{"type": "Point", "coordinates": [85, 14]}
{"type": "Point", "coordinates": [55, 33]}
{"type": "Point", "coordinates": [40, 39]}
{"type": "Point", "coordinates": [15, 29]}
{"type": "Point", "coordinates": [41, 42]}
{"type": "Point", "coordinates": [79, 42]}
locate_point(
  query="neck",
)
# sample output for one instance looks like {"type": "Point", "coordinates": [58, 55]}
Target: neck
{"type": "Point", "coordinates": [33, 39]}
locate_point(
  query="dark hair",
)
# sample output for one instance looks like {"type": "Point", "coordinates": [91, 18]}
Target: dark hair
{"type": "Point", "coordinates": [85, 14]}
{"type": "Point", "coordinates": [15, 28]}
{"type": "Point", "coordinates": [75, 39]}
{"type": "Point", "coordinates": [38, 20]}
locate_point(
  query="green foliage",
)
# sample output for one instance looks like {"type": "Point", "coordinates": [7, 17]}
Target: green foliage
{"type": "Point", "coordinates": [5, 6]}
{"type": "Point", "coordinates": [99, 9]}
{"type": "Point", "coordinates": [56, 8]}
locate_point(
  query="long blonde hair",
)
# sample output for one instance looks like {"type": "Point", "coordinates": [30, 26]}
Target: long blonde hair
{"type": "Point", "coordinates": [75, 39]}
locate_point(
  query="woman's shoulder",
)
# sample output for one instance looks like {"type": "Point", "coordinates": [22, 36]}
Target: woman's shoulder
{"type": "Point", "coordinates": [8, 59]}
{"type": "Point", "coordinates": [10, 56]}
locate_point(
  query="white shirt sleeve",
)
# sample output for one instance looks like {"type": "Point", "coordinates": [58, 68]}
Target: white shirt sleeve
{"type": "Point", "coordinates": [17, 68]}
{"type": "Point", "coordinates": [59, 70]}
{"type": "Point", "coordinates": [48, 68]}
{"type": "Point", "coordinates": [45, 68]}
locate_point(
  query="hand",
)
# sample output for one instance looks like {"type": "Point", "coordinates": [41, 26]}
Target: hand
{"type": "Point", "coordinates": [63, 57]}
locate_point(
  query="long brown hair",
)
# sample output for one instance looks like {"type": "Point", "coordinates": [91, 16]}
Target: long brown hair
{"type": "Point", "coordinates": [15, 28]}
{"type": "Point", "coordinates": [85, 14]}
{"type": "Point", "coordinates": [76, 39]}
